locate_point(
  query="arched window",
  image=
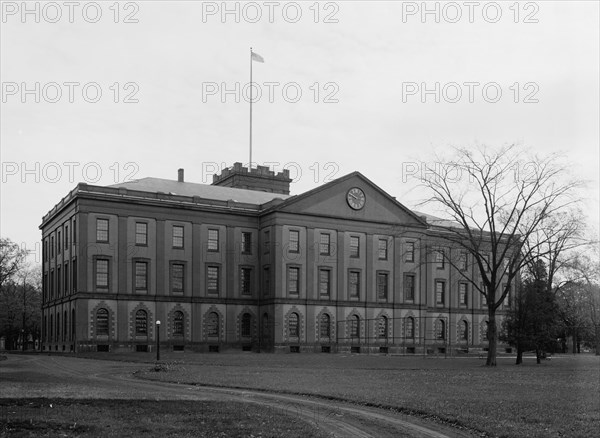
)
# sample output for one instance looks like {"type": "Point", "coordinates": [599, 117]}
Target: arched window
{"type": "Point", "coordinates": [141, 323]}
{"type": "Point", "coordinates": [410, 327]}
{"type": "Point", "coordinates": [178, 323]}
{"type": "Point", "coordinates": [354, 326]}
{"type": "Point", "coordinates": [51, 329]}
{"type": "Point", "coordinates": [440, 329]}
{"type": "Point", "coordinates": [293, 325]}
{"type": "Point", "coordinates": [484, 330]}
{"type": "Point", "coordinates": [382, 327]}
{"type": "Point", "coordinates": [73, 324]}
{"type": "Point", "coordinates": [65, 331]}
{"type": "Point", "coordinates": [102, 322]}
{"type": "Point", "coordinates": [325, 326]}
{"type": "Point", "coordinates": [58, 326]}
{"type": "Point", "coordinates": [464, 330]}
{"type": "Point", "coordinates": [212, 324]}
{"type": "Point", "coordinates": [246, 325]}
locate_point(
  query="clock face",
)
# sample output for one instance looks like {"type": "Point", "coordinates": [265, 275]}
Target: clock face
{"type": "Point", "coordinates": [356, 198]}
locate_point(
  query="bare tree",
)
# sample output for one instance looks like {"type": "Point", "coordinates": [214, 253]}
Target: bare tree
{"type": "Point", "coordinates": [497, 200]}
{"type": "Point", "coordinates": [12, 258]}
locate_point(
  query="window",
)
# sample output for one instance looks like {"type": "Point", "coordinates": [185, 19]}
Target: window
{"type": "Point", "coordinates": [463, 261]}
{"type": "Point", "coordinates": [246, 281]}
{"type": "Point", "coordinates": [66, 275]}
{"type": "Point", "coordinates": [212, 279]}
{"type": "Point", "coordinates": [141, 233]}
{"type": "Point", "coordinates": [440, 292]}
{"type": "Point", "coordinates": [267, 281]}
{"type": "Point", "coordinates": [484, 330]}
{"type": "Point", "coordinates": [293, 280]}
{"type": "Point", "coordinates": [382, 285]}
{"type": "Point", "coordinates": [51, 328]}
{"type": "Point", "coordinates": [58, 243]}
{"type": "Point", "coordinates": [382, 327]}
{"type": "Point", "coordinates": [324, 282]}
{"type": "Point", "coordinates": [74, 232]}
{"type": "Point", "coordinates": [409, 287]}
{"type": "Point", "coordinates": [484, 300]}
{"type": "Point", "coordinates": [506, 302]}
{"type": "Point", "coordinates": [410, 252]}
{"type": "Point", "coordinates": [354, 284]}
{"type": "Point", "coordinates": [440, 329]}
{"type": "Point", "coordinates": [141, 323]}
{"type": "Point", "coordinates": [325, 326]}
{"type": "Point", "coordinates": [66, 237]}
{"type": "Point", "coordinates": [267, 240]}
{"type": "Point", "coordinates": [246, 325]}
{"type": "Point", "coordinates": [354, 246]}
{"type": "Point", "coordinates": [464, 330]}
{"type": "Point", "coordinates": [294, 245]}
{"type": "Point", "coordinates": [410, 327]}
{"type": "Point", "coordinates": [51, 246]}
{"type": "Point", "coordinates": [101, 230]}
{"type": "Point", "coordinates": [177, 278]}
{"type": "Point", "coordinates": [463, 294]}
{"type": "Point", "coordinates": [74, 274]}
{"type": "Point", "coordinates": [102, 322]}
{"type": "Point", "coordinates": [52, 284]}
{"type": "Point", "coordinates": [65, 325]}
{"type": "Point", "coordinates": [383, 249]}
{"type": "Point", "coordinates": [439, 258]}
{"type": "Point", "coordinates": [325, 244]}
{"type": "Point", "coordinates": [212, 324]}
{"type": "Point", "coordinates": [57, 326]}
{"type": "Point", "coordinates": [354, 326]}
{"type": "Point", "coordinates": [46, 250]}
{"type": "Point", "coordinates": [213, 239]}
{"type": "Point", "coordinates": [178, 323]}
{"type": "Point", "coordinates": [293, 327]}
{"type": "Point", "coordinates": [177, 236]}
{"type": "Point", "coordinates": [246, 242]}
{"type": "Point", "coordinates": [141, 277]}
{"type": "Point", "coordinates": [59, 282]}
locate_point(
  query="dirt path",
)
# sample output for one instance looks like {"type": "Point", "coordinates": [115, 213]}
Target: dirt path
{"type": "Point", "coordinates": [68, 377]}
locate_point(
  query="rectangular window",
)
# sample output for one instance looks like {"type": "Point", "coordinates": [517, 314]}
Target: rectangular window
{"type": "Point", "coordinates": [382, 285]}
{"type": "Point", "coordinates": [102, 273]}
{"type": "Point", "coordinates": [74, 239]}
{"type": "Point", "coordinates": [463, 294]}
{"type": "Point", "coordinates": [293, 280]}
{"type": "Point", "coordinates": [246, 242]}
{"type": "Point", "coordinates": [354, 284]}
{"type": "Point", "coordinates": [58, 243]}
{"type": "Point", "coordinates": [74, 274]}
{"type": "Point", "coordinates": [66, 237]}
{"type": "Point", "coordinates": [267, 282]}
{"type": "Point", "coordinates": [267, 241]}
{"type": "Point", "coordinates": [141, 233]}
{"type": "Point", "coordinates": [325, 244]}
{"type": "Point", "coordinates": [294, 245]}
{"type": "Point", "coordinates": [506, 302]}
{"type": "Point", "coordinates": [45, 249]}
{"type": "Point", "coordinates": [66, 282]}
{"type": "Point", "coordinates": [463, 261]}
{"type": "Point", "coordinates": [52, 246]}
{"type": "Point", "coordinates": [101, 230]}
{"type": "Point", "coordinates": [212, 279]}
{"type": "Point", "coordinates": [324, 282]}
{"type": "Point", "coordinates": [213, 239]}
{"type": "Point", "coordinates": [141, 277]}
{"type": "Point", "coordinates": [439, 258]}
{"type": "Point", "coordinates": [354, 246]}
{"type": "Point", "coordinates": [246, 281]}
{"type": "Point", "coordinates": [51, 284]}
{"type": "Point", "coordinates": [483, 295]}
{"type": "Point", "coordinates": [177, 236]}
{"type": "Point", "coordinates": [409, 287]}
{"type": "Point", "coordinates": [59, 281]}
{"type": "Point", "coordinates": [440, 292]}
{"type": "Point", "coordinates": [177, 277]}
{"type": "Point", "coordinates": [383, 249]}
{"type": "Point", "coordinates": [409, 256]}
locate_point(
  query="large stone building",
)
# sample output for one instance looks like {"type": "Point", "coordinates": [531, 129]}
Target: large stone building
{"type": "Point", "coordinates": [241, 264]}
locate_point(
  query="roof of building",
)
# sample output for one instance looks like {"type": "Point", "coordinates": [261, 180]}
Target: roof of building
{"type": "Point", "coordinates": [438, 221]}
{"type": "Point", "coordinates": [206, 191]}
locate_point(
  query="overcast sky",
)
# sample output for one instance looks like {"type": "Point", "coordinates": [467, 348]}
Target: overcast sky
{"type": "Point", "coordinates": [347, 82]}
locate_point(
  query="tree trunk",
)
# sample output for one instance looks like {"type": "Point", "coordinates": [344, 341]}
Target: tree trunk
{"type": "Point", "coordinates": [519, 354]}
{"type": "Point", "coordinates": [574, 343]}
{"type": "Point", "coordinates": [492, 340]}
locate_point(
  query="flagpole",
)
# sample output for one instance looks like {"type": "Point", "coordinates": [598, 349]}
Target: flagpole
{"type": "Point", "coordinates": [250, 163]}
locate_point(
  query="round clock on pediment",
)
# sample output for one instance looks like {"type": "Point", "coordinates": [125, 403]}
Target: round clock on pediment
{"type": "Point", "coordinates": [356, 198]}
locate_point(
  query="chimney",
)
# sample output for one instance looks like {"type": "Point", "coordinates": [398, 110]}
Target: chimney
{"type": "Point", "coordinates": [180, 175]}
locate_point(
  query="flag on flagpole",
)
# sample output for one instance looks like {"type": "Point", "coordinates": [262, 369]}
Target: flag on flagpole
{"type": "Point", "coordinates": [256, 57]}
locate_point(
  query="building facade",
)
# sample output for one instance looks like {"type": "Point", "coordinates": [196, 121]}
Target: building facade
{"type": "Point", "coordinates": [242, 265]}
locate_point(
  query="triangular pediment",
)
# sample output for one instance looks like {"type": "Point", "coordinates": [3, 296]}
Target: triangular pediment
{"type": "Point", "coordinates": [332, 200]}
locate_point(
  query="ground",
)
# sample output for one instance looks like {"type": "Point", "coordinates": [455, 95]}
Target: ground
{"type": "Point", "coordinates": [388, 395]}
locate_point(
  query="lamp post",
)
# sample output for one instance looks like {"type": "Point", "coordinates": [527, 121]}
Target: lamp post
{"type": "Point", "coordinates": [157, 340]}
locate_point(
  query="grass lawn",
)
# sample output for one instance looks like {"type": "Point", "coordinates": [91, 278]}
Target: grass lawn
{"type": "Point", "coordinates": [558, 398]}
{"type": "Point", "coordinates": [133, 418]}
